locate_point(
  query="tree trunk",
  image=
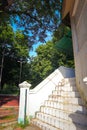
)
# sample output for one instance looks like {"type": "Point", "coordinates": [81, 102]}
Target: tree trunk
{"type": "Point", "coordinates": [1, 71]}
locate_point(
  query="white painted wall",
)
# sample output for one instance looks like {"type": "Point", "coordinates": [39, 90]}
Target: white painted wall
{"type": "Point", "coordinates": [40, 93]}
{"type": "Point", "coordinates": [24, 97]}
{"type": "Point", "coordinates": [79, 34]}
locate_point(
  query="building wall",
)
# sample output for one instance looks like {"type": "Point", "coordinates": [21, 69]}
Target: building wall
{"type": "Point", "coordinates": [79, 33]}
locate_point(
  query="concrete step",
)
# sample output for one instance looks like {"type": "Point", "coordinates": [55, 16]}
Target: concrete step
{"type": "Point", "coordinates": [7, 111]}
{"type": "Point", "coordinates": [66, 94]}
{"type": "Point", "coordinates": [48, 119]}
{"type": "Point", "coordinates": [64, 109]}
{"type": "Point", "coordinates": [8, 114]}
{"type": "Point", "coordinates": [59, 123]}
{"type": "Point", "coordinates": [8, 122]}
{"type": "Point", "coordinates": [43, 125]}
{"type": "Point", "coordinates": [70, 81]}
{"type": "Point", "coordinates": [65, 106]}
{"type": "Point", "coordinates": [4, 108]}
{"type": "Point", "coordinates": [66, 88]}
{"type": "Point", "coordinates": [62, 99]}
{"type": "Point", "coordinates": [73, 79]}
{"type": "Point", "coordinates": [69, 116]}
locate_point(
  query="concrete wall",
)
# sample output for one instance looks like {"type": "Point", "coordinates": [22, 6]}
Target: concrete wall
{"type": "Point", "coordinates": [40, 93]}
{"type": "Point", "coordinates": [79, 33]}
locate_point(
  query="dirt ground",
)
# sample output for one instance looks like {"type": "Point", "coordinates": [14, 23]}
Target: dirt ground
{"type": "Point", "coordinates": [30, 127]}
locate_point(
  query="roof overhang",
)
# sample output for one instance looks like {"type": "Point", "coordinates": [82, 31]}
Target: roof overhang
{"type": "Point", "coordinates": [66, 7]}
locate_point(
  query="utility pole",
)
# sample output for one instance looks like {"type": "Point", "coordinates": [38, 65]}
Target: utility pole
{"type": "Point", "coordinates": [1, 70]}
{"type": "Point", "coordinates": [21, 65]}
{"type": "Point", "coordinates": [20, 71]}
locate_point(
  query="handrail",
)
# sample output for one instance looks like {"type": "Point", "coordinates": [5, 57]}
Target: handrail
{"type": "Point", "coordinates": [44, 82]}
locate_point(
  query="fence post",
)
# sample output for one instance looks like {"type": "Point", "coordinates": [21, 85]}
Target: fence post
{"type": "Point", "coordinates": [23, 102]}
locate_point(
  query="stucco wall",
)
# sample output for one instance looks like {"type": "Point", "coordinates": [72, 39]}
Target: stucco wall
{"type": "Point", "coordinates": [40, 93]}
{"type": "Point", "coordinates": [79, 34]}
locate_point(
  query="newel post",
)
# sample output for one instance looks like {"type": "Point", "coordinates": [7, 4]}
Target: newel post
{"type": "Point", "coordinates": [23, 102]}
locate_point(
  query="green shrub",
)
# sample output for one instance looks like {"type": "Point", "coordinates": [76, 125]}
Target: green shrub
{"type": "Point", "coordinates": [23, 125]}
{"type": "Point", "coordinates": [9, 89]}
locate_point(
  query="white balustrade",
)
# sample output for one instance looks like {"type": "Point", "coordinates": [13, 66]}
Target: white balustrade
{"type": "Point", "coordinates": [24, 102]}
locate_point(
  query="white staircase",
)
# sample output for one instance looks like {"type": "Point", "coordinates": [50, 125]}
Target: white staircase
{"type": "Point", "coordinates": [64, 109]}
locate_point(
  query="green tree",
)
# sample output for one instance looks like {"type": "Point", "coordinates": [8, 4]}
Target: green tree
{"type": "Point", "coordinates": [49, 58]}
{"type": "Point", "coordinates": [13, 48]}
{"type": "Point", "coordinates": [35, 17]}
{"type": "Point", "coordinates": [6, 42]}
{"type": "Point", "coordinates": [21, 50]}
{"type": "Point", "coordinates": [21, 46]}
{"type": "Point", "coordinates": [43, 64]}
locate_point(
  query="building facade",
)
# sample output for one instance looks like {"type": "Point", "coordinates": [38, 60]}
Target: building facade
{"type": "Point", "coordinates": [77, 10]}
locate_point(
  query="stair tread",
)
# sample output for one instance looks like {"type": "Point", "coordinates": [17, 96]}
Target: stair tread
{"type": "Point", "coordinates": [68, 112]}
{"type": "Point", "coordinates": [73, 79]}
{"type": "Point", "coordinates": [63, 123]}
{"type": "Point", "coordinates": [66, 93]}
{"type": "Point", "coordinates": [64, 97]}
{"type": "Point", "coordinates": [75, 114]}
{"type": "Point", "coordinates": [66, 106]}
{"type": "Point", "coordinates": [65, 81]}
{"type": "Point", "coordinates": [71, 117]}
{"type": "Point", "coordinates": [46, 125]}
{"type": "Point", "coordinates": [73, 100]}
{"type": "Point", "coordinates": [63, 120]}
{"type": "Point", "coordinates": [66, 88]}
{"type": "Point", "coordinates": [64, 109]}
{"type": "Point", "coordinates": [65, 103]}
{"type": "Point", "coordinates": [6, 122]}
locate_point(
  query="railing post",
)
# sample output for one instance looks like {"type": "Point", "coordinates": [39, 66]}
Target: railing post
{"type": "Point", "coordinates": [23, 102]}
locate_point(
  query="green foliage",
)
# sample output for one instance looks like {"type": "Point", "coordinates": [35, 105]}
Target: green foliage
{"type": "Point", "coordinates": [15, 44]}
{"type": "Point", "coordinates": [8, 117]}
{"type": "Point", "coordinates": [6, 33]}
{"type": "Point", "coordinates": [49, 58]}
{"type": "Point", "coordinates": [21, 45]}
{"type": "Point", "coordinates": [6, 39]}
{"type": "Point", "coordinates": [13, 48]}
{"type": "Point", "coordinates": [10, 89]}
{"type": "Point", "coordinates": [23, 125]}
{"type": "Point", "coordinates": [35, 17]}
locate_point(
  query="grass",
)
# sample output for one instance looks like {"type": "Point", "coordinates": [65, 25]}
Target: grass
{"type": "Point", "coordinates": [8, 117]}
{"type": "Point", "coordinates": [9, 108]}
{"type": "Point", "coordinates": [22, 125]}
{"type": "Point", "coordinates": [12, 127]}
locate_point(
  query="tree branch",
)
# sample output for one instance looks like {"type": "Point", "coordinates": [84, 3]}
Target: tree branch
{"type": "Point", "coordinates": [24, 12]}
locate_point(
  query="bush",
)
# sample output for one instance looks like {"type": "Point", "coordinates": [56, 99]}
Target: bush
{"type": "Point", "coordinates": [23, 125]}
{"type": "Point", "coordinates": [9, 89]}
